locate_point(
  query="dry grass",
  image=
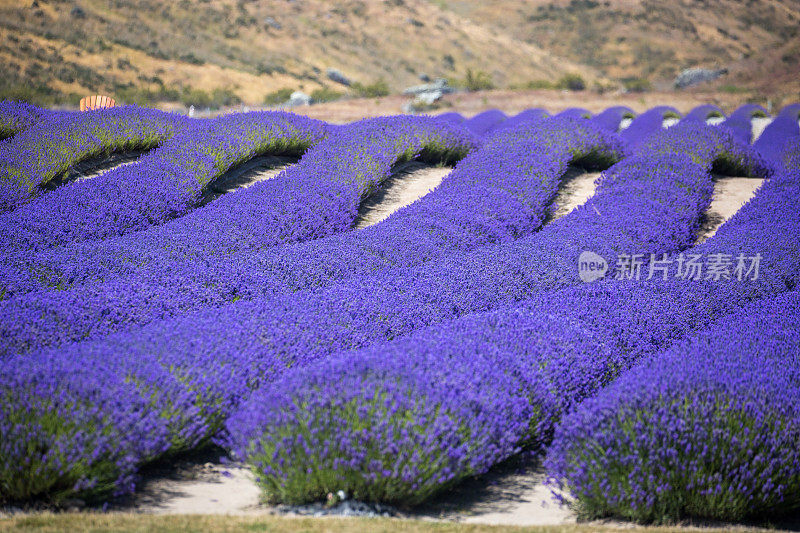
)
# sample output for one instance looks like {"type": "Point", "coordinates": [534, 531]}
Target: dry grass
{"type": "Point", "coordinates": [45, 523]}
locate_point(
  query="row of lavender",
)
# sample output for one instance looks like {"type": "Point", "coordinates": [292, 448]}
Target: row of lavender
{"type": "Point", "coordinates": [161, 185]}
{"type": "Point", "coordinates": [124, 200]}
{"type": "Point", "coordinates": [612, 119]}
{"type": "Point", "coordinates": [99, 409]}
{"type": "Point", "coordinates": [497, 194]}
{"type": "Point", "coordinates": [18, 116]}
{"type": "Point", "coordinates": [672, 439]}
{"type": "Point", "coordinates": [706, 429]}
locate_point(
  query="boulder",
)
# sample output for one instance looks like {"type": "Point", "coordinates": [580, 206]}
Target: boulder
{"type": "Point", "coordinates": [439, 85]}
{"type": "Point", "coordinates": [338, 77]}
{"type": "Point", "coordinates": [272, 23]}
{"type": "Point", "coordinates": [299, 98]}
{"type": "Point", "coordinates": [429, 97]}
{"type": "Point", "coordinates": [695, 76]}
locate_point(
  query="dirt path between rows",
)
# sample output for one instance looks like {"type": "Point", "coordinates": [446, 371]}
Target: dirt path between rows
{"type": "Point", "coordinates": [257, 169]}
{"type": "Point", "coordinates": [93, 167]}
{"type": "Point", "coordinates": [209, 488]}
{"type": "Point", "coordinates": [408, 183]}
{"type": "Point", "coordinates": [730, 194]}
{"type": "Point", "coordinates": [577, 186]}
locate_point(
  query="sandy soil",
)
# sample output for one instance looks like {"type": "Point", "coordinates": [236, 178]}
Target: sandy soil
{"type": "Point", "coordinates": [511, 494]}
{"type": "Point", "coordinates": [759, 124]}
{"type": "Point", "coordinates": [730, 194]}
{"type": "Point", "coordinates": [196, 484]}
{"type": "Point", "coordinates": [93, 167]}
{"type": "Point", "coordinates": [577, 186]}
{"type": "Point", "coordinates": [256, 169]}
{"type": "Point", "coordinates": [408, 183]}
{"type": "Point", "coordinates": [217, 489]}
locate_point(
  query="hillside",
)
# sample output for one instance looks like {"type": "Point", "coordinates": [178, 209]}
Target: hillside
{"type": "Point", "coordinates": [245, 50]}
{"type": "Point", "coordinates": [757, 40]}
{"type": "Point", "coordinates": [236, 51]}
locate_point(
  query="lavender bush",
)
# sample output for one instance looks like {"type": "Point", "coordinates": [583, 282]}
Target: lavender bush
{"type": "Point", "coordinates": [18, 116]}
{"type": "Point", "coordinates": [740, 122]}
{"type": "Point", "coordinates": [394, 425]}
{"type": "Point", "coordinates": [575, 112]}
{"type": "Point", "coordinates": [452, 117]}
{"type": "Point", "coordinates": [520, 118]}
{"type": "Point", "coordinates": [611, 118]}
{"type": "Point", "coordinates": [485, 122]}
{"type": "Point", "coordinates": [77, 429]}
{"type": "Point", "coordinates": [708, 429]}
{"type": "Point", "coordinates": [775, 137]}
{"type": "Point", "coordinates": [702, 113]}
{"type": "Point", "coordinates": [402, 421]}
{"type": "Point", "coordinates": [791, 154]}
{"type": "Point", "coordinates": [647, 123]}
{"type": "Point", "coordinates": [46, 150]}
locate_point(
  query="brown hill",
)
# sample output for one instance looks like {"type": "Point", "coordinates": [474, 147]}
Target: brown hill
{"type": "Point", "coordinates": [653, 40]}
{"type": "Point", "coordinates": [229, 51]}
{"type": "Point", "coordinates": [238, 50]}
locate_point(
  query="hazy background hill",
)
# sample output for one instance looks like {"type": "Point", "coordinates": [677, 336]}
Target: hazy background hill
{"type": "Point", "coordinates": [221, 52]}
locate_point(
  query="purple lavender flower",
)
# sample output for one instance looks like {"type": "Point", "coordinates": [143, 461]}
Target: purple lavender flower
{"type": "Point", "coordinates": [315, 198]}
{"type": "Point", "coordinates": [47, 149]}
{"type": "Point", "coordinates": [451, 117]}
{"type": "Point", "coordinates": [575, 113]}
{"type": "Point", "coordinates": [702, 113]}
{"type": "Point", "coordinates": [162, 185]}
{"type": "Point", "coordinates": [519, 369]}
{"type": "Point", "coordinates": [646, 124]}
{"type": "Point", "coordinates": [485, 122]}
{"type": "Point", "coordinates": [19, 116]}
{"type": "Point", "coordinates": [520, 118]}
{"type": "Point", "coordinates": [200, 367]}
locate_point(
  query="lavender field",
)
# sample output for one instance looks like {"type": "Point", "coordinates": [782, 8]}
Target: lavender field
{"type": "Point", "coordinates": [642, 343]}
